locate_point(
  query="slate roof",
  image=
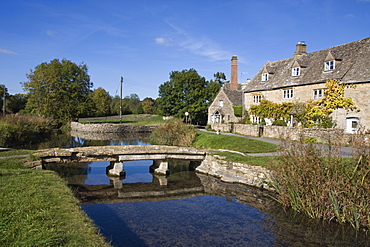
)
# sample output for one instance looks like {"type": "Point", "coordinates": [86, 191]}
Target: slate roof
{"type": "Point", "coordinates": [235, 96]}
{"type": "Point", "coordinates": [352, 65]}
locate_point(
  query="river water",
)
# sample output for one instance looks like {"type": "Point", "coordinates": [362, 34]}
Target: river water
{"type": "Point", "coordinates": [189, 209]}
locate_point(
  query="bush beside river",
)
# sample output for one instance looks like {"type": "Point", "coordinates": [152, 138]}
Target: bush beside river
{"type": "Point", "coordinates": [21, 130]}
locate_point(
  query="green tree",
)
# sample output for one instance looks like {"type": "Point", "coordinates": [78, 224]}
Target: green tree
{"type": "Point", "coordinates": [102, 102]}
{"type": "Point", "coordinates": [131, 104]}
{"type": "Point", "coordinates": [213, 87]}
{"type": "Point", "coordinates": [148, 105]}
{"type": "Point", "coordinates": [184, 92]}
{"type": "Point", "coordinates": [58, 90]}
{"type": "Point", "coordinates": [15, 103]}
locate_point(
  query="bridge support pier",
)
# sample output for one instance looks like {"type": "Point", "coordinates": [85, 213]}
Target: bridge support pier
{"type": "Point", "coordinates": [163, 167]}
{"type": "Point", "coordinates": [162, 179]}
{"type": "Point", "coordinates": [117, 170]}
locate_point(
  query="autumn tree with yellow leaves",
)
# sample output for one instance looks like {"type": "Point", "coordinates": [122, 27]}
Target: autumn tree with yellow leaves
{"type": "Point", "coordinates": [317, 113]}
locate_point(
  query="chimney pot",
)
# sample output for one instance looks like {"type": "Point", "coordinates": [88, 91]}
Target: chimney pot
{"type": "Point", "coordinates": [300, 48]}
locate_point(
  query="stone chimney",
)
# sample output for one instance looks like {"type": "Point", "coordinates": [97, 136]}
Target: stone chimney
{"type": "Point", "coordinates": [234, 73]}
{"type": "Point", "coordinates": [300, 48]}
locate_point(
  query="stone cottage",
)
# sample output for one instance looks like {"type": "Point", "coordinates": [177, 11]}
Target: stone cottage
{"type": "Point", "coordinates": [302, 77]}
{"type": "Point", "coordinates": [222, 108]}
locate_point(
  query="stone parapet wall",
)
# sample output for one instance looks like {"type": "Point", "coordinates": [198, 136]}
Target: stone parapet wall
{"type": "Point", "coordinates": [111, 128]}
{"type": "Point", "coordinates": [321, 135]}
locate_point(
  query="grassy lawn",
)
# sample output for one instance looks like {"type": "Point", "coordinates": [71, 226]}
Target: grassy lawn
{"type": "Point", "coordinates": [10, 152]}
{"type": "Point", "coordinates": [236, 143]}
{"type": "Point", "coordinates": [240, 144]}
{"type": "Point", "coordinates": [38, 209]}
{"type": "Point", "coordinates": [137, 119]}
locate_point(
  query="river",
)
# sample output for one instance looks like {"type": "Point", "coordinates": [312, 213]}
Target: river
{"type": "Point", "coordinates": [189, 209]}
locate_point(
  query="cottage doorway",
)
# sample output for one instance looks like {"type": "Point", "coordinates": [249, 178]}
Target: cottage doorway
{"type": "Point", "coordinates": [352, 125]}
{"type": "Point", "coordinates": [216, 117]}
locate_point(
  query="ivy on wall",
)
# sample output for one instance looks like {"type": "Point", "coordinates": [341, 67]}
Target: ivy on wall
{"type": "Point", "coordinates": [238, 110]}
{"type": "Point", "coordinates": [312, 113]}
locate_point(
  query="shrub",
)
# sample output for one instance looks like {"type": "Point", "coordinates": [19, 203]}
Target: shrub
{"type": "Point", "coordinates": [316, 180]}
{"type": "Point", "coordinates": [173, 133]}
{"type": "Point", "coordinates": [20, 130]}
{"type": "Point", "coordinates": [279, 122]}
{"type": "Point", "coordinates": [238, 110]}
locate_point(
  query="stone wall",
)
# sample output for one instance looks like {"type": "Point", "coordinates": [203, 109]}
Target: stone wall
{"type": "Point", "coordinates": [111, 128]}
{"type": "Point", "coordinates": [233, 172]}
{"type": "Point", "coordinates": [292, 133]}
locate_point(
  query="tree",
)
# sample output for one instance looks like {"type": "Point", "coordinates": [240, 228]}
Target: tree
{"type": "Point", "coordinates": [132, 104]}
{"type": "Point", "coordinates": [318, 112]}
{"type": "Point", "coordinates": [213, 87]}
{"type": "Point", "coordinates": [148, 105]}
{"type": "Point", "coordinates": [58, 90]}
{"type": "Point", "coordinates": [184, 92]}
{"type": "Point", "coordinates": [102, 102]}
{"type": "Point", "coordinates": [15, 103]}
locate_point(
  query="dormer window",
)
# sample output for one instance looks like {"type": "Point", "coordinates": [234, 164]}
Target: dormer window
{"type": "Point", "coordinates": [296, 71]}
{"type": "Point", "coordinates": [329, 65]}
{"type": "Point", "coordinates": [265, 77]}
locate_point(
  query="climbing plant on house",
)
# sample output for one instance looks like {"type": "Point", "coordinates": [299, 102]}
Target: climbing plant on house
{"type": "Point", "coordinates": [318, 112]}
{"type": "Point", "coordinates": [268, 109]}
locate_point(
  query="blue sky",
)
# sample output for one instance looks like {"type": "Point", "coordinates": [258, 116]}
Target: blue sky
{"type": "Point", "coordinates": [144, 40]}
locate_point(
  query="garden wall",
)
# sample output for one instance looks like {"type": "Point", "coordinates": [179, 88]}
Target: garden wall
{"type": "Point", "coordinates": [293, 133]}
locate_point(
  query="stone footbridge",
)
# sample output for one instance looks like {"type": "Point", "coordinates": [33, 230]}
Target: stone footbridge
{"type": "Point", "coordinates": [160, 154]}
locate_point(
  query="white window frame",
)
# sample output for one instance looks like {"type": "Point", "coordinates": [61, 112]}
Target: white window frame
{"type": "Point", "coordinates": [329, 65]}
{"type": "Point", "coordinates": [296, 71]}
{"type": "Point", "coordinates": [221, 103]}
{"type": "Point", "coordinates": [288, 93]}
{"type": "Point", "coordinates": [265, 77]}
{"type": "Point", "coordinates": [318, 93]}
{"type": "Point", "coordinates": [257, 98]}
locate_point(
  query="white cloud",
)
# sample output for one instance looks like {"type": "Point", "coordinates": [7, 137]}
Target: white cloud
{"type": "Point", "coordinates": [50, 33]}
{"type": "Point", "coordinates": [160, 40]}
{"type": "Point", "coordinates": [205, 47]}
{"type": "Point", "coordinates": [200, 46]}
{"type": "Point", "coordinates": [7, 51]}
{"type": "Point", "coordinates": [163, 41]}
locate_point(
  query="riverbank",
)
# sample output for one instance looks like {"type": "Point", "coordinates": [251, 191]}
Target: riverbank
{"type": "Point", "coordinates": [37, 208]}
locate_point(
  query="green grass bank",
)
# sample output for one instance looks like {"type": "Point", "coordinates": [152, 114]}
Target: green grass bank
{"type": "Point", "coordinates": [37, 208]}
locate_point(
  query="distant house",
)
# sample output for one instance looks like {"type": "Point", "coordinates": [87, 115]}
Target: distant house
{"type": "Point", "coordinates": [302, 77]}
{"type": "Point", "coordinates": [230, 96]}
{"type": "Point", "coordinates": [222, 108]}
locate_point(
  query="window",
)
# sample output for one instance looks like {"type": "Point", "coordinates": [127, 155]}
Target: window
{"type": "Point", "coordinates": [265, 77]}
{"type": "Point", "coordinates": [329, 65]}
{"type": "Point", "coordinates": [257, 98]}
{"type": "Point", "coordinates": [288, 93]}
{"type": "Point", "coordinates": [296, 71]}
{"type": "Point", "coordinates": [318, 93]}
{"type": "Point", "coordinates": [221, 103]}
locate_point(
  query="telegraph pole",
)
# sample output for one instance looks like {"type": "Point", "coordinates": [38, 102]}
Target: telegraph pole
{"type": "Point", "coordinates": [120, 102]}
{"type": "Point", "coordinates": [4, 103]}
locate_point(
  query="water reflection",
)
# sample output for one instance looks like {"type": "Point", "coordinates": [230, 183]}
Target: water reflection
{"type": "Point", "coordinates": [84, 139]}
{"type": "Point", "coordinates": [194, 209]}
